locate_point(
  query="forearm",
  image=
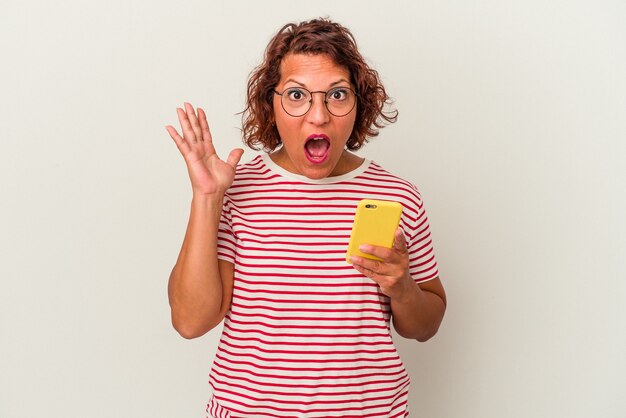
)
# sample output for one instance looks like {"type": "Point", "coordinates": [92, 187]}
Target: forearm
{"type": "Point", "coordinates": [195, 287]}
{"type": "Point", "coordinates": [418, 313]}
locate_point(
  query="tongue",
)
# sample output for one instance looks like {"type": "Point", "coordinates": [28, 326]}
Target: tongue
{"type": "Point", "coordinates": [317, 148]}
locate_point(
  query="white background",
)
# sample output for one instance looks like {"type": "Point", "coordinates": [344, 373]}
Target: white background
{"type": "Point", "coordinates": [512, 124]}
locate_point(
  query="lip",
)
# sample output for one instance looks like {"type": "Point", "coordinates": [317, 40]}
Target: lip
{"type": "Point", "coordinates": [318, 136]}
{"type": "Point", "coordinates": [317, 160]}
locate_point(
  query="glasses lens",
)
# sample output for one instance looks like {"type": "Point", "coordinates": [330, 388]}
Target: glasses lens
{"type": "Point", "coordinates": [340, 101]}
{"type": "Point", "coordinates": [296, 101]}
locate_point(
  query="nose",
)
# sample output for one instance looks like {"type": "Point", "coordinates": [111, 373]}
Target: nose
{"type": "Point", "coordinates": [318, 113]}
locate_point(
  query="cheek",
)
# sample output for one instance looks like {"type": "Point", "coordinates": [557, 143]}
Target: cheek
{"type": "Point", "coordinates": [350, 125]}
{"type": "Point", "coordinates": [286, 127]}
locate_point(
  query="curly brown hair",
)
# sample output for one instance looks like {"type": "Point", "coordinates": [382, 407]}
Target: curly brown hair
{"type": "Point", "coordinates": [317, 36]}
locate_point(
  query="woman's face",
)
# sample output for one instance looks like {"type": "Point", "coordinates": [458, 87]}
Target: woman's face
{"type": "Point", "coordinates": [313, 144]}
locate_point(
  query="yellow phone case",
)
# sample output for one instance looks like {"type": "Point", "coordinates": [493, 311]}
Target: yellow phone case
{"type": "Point", "coordinates": [375, 223]}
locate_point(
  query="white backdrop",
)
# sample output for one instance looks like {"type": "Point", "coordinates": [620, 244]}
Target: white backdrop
{"type": "Point", "coordinates": [512, 124]}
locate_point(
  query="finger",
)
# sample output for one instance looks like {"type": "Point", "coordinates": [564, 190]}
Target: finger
{"type": "Point", "coordinates": [367, 265]}
{"type": "Point", "coordinates": [380, 252]}
{"type": "Point", "coordinates": [399, 241]}
{"type": "Point", "coordinates": [188, 133]}
{"type": "Point", "coordinates": [178, 140]}
{"type": "Point", "coordinates": [357, 263]}
{"type": "Point", "coordinates": [193, 119]}
{"type": "Point", "coordinates": [204, 125]}
{"type": "Point", "coordinates": [234, 157]}
{"type": "Point", "coordinates": [207, 139]}
{"type": "Point", "coordinates": [366, 272]}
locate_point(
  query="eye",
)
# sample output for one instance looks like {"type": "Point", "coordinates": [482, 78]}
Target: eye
{"type": "Point", "coordinates": [295, 94]}
{"type": "Point", "coordinates": [338, 94]}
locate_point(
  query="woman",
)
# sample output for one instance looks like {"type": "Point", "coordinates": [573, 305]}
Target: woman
{"type": "Point", "coordinates": [305, 333]}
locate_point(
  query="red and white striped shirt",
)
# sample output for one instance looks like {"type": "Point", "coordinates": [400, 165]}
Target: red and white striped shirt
{"type": "Point", "coordinates": [307, 335]}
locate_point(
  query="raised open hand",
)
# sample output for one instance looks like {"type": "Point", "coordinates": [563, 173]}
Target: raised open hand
{"type": "Point", "coordinates": [208, 174]}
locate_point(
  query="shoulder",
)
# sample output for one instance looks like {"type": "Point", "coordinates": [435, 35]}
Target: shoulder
{"type": "Point", "coordinates": [385, 178]}
{"type": "Point", "coordinates": [253, 167]}
{"type": "Point", "coordinates": [253, 172]}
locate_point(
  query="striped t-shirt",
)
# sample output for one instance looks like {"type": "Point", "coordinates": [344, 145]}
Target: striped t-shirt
{"type": "Point", "coordinates": [307, 335]}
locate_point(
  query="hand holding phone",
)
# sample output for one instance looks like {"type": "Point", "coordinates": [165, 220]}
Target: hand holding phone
{"type": "Point", "coordinates": [375, 223]}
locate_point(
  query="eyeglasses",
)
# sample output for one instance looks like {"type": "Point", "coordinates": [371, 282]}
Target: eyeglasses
{"type": "Point", "coordinates": [297, 101]}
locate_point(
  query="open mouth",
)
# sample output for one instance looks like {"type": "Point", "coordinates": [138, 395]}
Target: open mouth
{"type": "Point", "coordinates": [316, 148]}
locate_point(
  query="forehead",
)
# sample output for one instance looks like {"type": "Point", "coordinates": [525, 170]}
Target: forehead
{"type": "Point", "coordinates": [311, 70]}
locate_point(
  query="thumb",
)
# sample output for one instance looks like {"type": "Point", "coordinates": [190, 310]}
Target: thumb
{"type": "Point", "coordinates": [234, 157]}
{"type": "Point", "coordinates": [399, 241]}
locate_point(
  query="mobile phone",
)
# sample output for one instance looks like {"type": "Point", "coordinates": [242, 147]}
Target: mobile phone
{"type": "Point", "coordinates": [375, 223]}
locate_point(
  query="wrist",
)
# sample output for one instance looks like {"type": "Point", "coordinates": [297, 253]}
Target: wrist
{"type": "Point", "coordinates": [210, 199]}
{"type": "Point", "coordinates": [207, 206]}
{"type": "Point", "coordinates": [410, 292]}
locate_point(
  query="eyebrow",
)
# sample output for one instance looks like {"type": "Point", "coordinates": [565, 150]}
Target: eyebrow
{"type": "Point", "coordinates": [304, 85]}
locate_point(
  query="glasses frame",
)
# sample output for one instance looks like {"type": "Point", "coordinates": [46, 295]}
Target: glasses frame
{"type": "Point", "coordinates": [311, 100]}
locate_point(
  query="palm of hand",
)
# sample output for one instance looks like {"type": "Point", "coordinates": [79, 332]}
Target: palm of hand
{"type": "Point", "coordinates": [207, 172]}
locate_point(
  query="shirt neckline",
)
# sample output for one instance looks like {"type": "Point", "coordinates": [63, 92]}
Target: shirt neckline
{"type": "Point", "coordinates": [327, 180]}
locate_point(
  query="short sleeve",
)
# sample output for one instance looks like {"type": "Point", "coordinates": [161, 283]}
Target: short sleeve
{"type": "Point", "coordinates": [226, 240]}
{"type": "Point", "coordinates": [422, 262]}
